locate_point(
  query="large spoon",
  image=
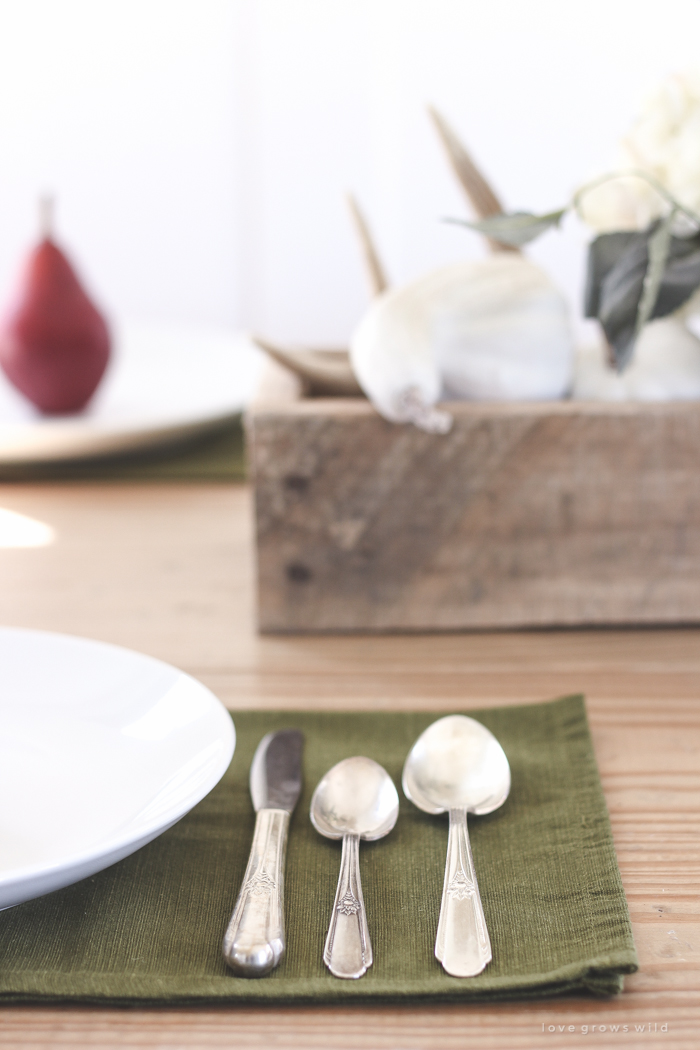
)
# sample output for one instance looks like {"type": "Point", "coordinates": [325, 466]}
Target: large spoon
{"type": "Point", "coordinates": [458, 766]}
{"type": "Point", "coordinates": [355, 800]}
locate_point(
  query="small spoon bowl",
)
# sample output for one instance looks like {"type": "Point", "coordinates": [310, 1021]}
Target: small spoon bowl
{"type": "Point", "coordinates": [356, 799]}
{"type": "Point", "coordinates": [458, 766]}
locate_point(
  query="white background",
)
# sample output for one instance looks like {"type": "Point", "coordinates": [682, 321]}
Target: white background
{"type": "Point", "coordinates": [199, 149]}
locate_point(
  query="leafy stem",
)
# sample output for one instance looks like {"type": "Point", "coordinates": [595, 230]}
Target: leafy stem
{"type": "Point", "coordinates": [636, 173]}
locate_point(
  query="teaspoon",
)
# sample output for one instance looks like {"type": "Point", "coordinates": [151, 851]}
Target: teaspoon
{"type": "Point", "coordinates": [458, 766]}
{"type": "Point", "coordinates": [355, 800]}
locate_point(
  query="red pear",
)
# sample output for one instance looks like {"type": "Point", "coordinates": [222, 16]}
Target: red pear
{"type": "Point", "coordinates": [54, 343]}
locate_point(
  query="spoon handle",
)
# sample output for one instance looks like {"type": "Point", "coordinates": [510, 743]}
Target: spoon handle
{"type": "Point", "coordinates": [348, 950]}
{"type": "Point", "coordinates": [462, 944]}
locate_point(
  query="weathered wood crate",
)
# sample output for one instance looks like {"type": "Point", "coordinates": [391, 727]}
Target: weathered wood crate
{"type": "Point", "coordinates": [523, 515]}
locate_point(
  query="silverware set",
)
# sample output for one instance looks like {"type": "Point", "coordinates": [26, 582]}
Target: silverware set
{"type": "Point", "coordinates": [456, 766]}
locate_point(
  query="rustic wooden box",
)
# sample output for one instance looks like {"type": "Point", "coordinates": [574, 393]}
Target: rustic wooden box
{"type": "Point", "coordinates": [523, 515]}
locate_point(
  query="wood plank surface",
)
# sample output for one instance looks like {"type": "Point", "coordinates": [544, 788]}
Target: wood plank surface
{"type": "Point", "coordinates": [169, 570]}
{"type": "Point", "coordinates": [524, 514]}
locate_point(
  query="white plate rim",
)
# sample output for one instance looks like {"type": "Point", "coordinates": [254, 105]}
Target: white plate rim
{"type": "Point", "coordinates": [74, 447]}
{"type": "Point", "coordinates": [120, 844]}
{"type": "Point", "coordinates": [96, 435]}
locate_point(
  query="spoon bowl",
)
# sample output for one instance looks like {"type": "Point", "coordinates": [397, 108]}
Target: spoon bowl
{"type": "Point", "coordinates": [458, 766]}
{"type": "Point", "coordinates": [356, 799]}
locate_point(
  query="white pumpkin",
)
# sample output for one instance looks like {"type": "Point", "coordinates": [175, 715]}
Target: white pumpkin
{"type": "Point", "coordinates": [488, 330]}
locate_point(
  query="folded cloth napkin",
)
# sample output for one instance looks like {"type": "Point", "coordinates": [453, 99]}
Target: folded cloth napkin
{"type": "Point", "coordinates": [149, 929]}
{"type": "Point", "coordinates": [215, 456]}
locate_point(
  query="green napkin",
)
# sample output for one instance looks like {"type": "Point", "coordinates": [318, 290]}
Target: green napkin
{"type": "Point", "coordinates": [149, 929]}
{"type": "Point", "coordinates": [217, 456]}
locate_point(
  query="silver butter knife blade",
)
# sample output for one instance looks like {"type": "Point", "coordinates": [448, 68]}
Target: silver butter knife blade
{"type": "Point", "coordinates": [254, 942]}
{"type": "Point", "coordinates": [275, 773]}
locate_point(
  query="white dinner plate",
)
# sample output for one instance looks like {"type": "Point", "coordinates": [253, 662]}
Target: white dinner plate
{"type": "Point", "coordinates": [162, 384]}
{"type": "Point", "coordinates": [101, 750]}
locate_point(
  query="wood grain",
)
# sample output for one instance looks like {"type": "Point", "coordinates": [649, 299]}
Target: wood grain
{"type": "Point", "coordinates": [522, 515]}
{"type": "Point", "coordinates": [168, 570]}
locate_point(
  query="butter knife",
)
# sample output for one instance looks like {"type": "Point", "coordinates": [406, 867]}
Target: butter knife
{"type": "Point", "coordinates": [254, 940]}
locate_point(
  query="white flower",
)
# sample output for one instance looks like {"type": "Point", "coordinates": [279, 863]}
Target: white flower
{"type": "Point", "coordinates": [665, 142]}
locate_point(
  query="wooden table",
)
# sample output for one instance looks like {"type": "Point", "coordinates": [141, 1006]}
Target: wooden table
{"type": "Point", "coordinates": [168, 569]}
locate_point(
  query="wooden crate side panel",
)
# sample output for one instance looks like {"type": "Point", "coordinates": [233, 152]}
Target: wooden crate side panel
{"type": "Point", "coordinates": [511, 519]}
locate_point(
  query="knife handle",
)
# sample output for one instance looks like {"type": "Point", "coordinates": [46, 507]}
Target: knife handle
{"type": "Point", "coordinates": [254, 940]}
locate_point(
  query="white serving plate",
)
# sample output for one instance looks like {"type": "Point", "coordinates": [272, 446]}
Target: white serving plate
{"type": "Point", "coordinates": [101, 750]}
{"type": "Point", "coordinates": [163, 384]}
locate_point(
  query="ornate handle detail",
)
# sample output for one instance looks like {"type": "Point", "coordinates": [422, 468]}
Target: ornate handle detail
{"type": "Point", "coordinates": [462, 944]}
{"type": "Point", "coordinates": [254, 939]}
{"type": "Point", "coordinates": [348, 951]}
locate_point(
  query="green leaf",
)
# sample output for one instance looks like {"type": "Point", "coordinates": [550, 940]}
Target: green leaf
{"type": "Point", "coordinates": [604, 254]}
{"type": "Point", "coordinates": [516, 228]}
{"type": "Point", "coordinates": [659, 248]}
{"type": "Point", "coordinates": [624, 285]}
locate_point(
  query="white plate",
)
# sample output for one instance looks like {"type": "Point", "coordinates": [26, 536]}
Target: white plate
{"type": "Point", "coordinates": [162, 384]}
{"type": "Point", "coordinates": [101, 750]}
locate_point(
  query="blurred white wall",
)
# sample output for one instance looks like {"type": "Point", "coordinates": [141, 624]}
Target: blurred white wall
{"type": "Point", "coordinates": [200, 149]}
